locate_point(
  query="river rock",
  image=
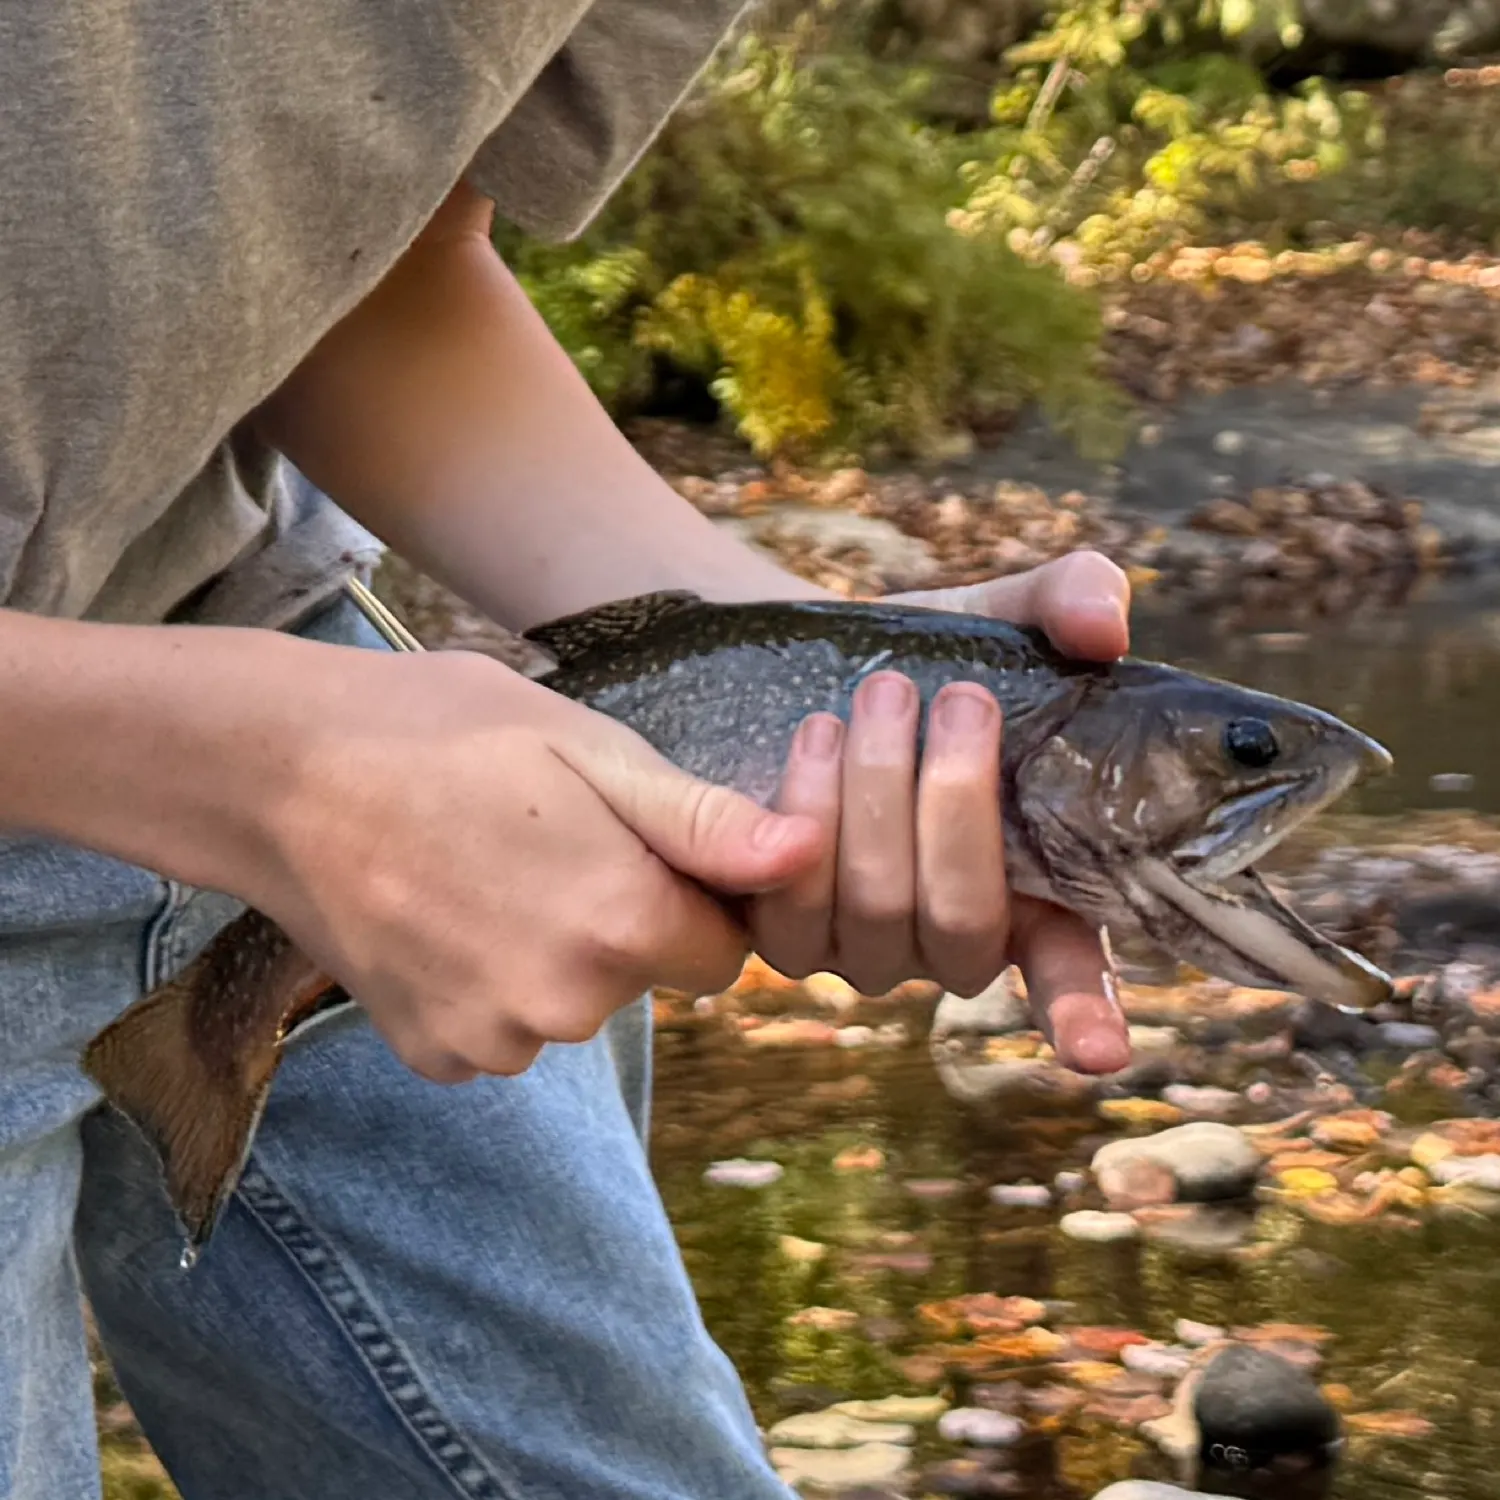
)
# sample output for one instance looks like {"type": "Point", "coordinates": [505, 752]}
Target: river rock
{"type": "Point", "coordinates": [1203, 1102]}
{"type": "Point", "coordinates": [1021, 1195]}
{"type": "Point", "coordinates": [1253, 1407]}
{"type": "Point", "coordinates": [1408, 1036]}
{"type": "Point", "coordinates": [895, 1409]}
{"type": "Point", "coordinates": [981, 1427]}
{"type": "Point", "coordinates": [993, 1012]}
{"type": "Point", "coordinates": [1148, 1489]}
{"type": "Point", "coordinates": [1098, 1228]}
{"type": "Point", "coordinates": [836, 1429]}
{"type": "Point", "coordinates": [835, 1468]}
{"type": "Point", "coordinates": [743, 1173]}
{"type": "Point", "coordinates": [1161, 1360]}
{"type": "Point", "coordinates": [1477, 1171]}
{"type": "Point", "coordinates": [1210, 1161]}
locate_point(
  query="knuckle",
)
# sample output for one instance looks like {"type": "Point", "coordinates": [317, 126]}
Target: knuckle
{"type": "Point", "coordinates": [965, 923]}
{"type": "Point", "coordinates": [575, 1023]}
{"type": "Point", "coordinates": [621, 932]}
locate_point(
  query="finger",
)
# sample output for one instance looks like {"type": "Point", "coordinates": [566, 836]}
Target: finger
{"type": "Point", "coordinates": [1071, 989]}
{"type": "Point", "coordinates": [1081, 600]}
{"type": "Point", "coordinates": [874, 926]}
{"type": "Point", "coordinates": [658, 929]}
{"type": "Point", "coordinates": [709, 832]}
{"type": "Point", "coordinates": [792, 926]}
{"type": "Point", "coordinates": [961, 895]}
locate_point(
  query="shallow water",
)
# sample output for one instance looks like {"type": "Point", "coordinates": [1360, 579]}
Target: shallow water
{"type": "Point", "coordinates": [1414, 1313]}
{"type": "Point", "coordinates": [1413, 1310]}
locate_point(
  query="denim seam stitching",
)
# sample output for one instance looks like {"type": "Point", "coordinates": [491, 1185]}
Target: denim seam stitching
{"type": "Point", "coordinates": [159, 933]}
{"type": "Point", "coordinates": [348, 1307]}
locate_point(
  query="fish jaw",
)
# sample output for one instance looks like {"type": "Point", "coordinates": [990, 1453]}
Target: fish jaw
{"type": "Point", "coordinates": [1242, 932]}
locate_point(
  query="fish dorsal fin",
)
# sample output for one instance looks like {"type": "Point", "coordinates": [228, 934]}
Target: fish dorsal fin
{"type": "Point", "coordinates": [607, 625]}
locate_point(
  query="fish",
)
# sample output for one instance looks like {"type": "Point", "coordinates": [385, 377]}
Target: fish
{"type": "Point", "coordinates": [1137, 794]}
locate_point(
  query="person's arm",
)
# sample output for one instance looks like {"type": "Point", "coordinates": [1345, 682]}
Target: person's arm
{"type": "Point", "coordinates": [443, 415]}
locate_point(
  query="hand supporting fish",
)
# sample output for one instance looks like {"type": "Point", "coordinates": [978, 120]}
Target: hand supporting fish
{"type": "Point", "coordinates": [1136, 795]}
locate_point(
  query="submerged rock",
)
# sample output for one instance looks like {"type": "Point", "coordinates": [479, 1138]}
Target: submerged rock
{"type": "Point", "coordinates": [1210, 1161]}
{"type": "Point", "coordinates": [981, 1427]}
{"type": "Point", "coordinates": [1098, 1228]}
{"type": "Point", "coordinates": [1148, 1489]}
{"type": "Point", "coordinates": [743, 1173]}
{"type": "Point", "coordinates": [836, 1429]}
{"type": "Point", "coordinates": [1253, 1407]}
{"type": "Point", "coordinates": [832, 1468]}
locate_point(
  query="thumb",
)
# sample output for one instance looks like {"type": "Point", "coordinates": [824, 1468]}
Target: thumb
{"type": "Point", "coordinates": [714, 835]}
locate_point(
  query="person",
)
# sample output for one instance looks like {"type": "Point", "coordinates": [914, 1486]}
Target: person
{"type": "Point", "coordinates": [253, 322]}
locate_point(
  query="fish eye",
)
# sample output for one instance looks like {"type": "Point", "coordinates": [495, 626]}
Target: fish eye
{"type": "Point", "coordinates": [1250, 742]}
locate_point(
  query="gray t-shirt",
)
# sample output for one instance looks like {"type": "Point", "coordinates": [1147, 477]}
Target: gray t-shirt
{"type": "Point", "coordinates": [192, 192]}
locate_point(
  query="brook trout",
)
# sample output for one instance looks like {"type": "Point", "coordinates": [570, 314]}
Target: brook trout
{"type": "Point", "coordinates": [1135, 794]}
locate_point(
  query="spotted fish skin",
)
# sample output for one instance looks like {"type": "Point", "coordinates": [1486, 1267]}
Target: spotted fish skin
{"type": "Point", "coordinates": [720, 689]}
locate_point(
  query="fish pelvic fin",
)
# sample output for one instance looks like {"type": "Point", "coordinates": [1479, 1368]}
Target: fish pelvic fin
{"type": "Point", "coordinates": [191, 1065]}
{"type": "Point", "coordinates": [606, 625]}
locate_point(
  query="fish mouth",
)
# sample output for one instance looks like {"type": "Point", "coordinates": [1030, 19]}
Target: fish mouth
{"type": "Point", "coordinates": [1244, 929]}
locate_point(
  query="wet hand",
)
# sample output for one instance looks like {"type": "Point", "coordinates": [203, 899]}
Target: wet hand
{"type": "Point", "coordinates": [912, 880]}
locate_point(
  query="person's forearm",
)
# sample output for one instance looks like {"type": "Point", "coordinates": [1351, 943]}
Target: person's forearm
{"type": "Point", "coordinates": [444, 416]}
{"type": "Point", "coordinates": [158, 745]}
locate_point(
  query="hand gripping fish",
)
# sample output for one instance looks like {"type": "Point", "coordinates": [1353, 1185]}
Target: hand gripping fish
{"type": "Point", "coordinates": [1135, 794]}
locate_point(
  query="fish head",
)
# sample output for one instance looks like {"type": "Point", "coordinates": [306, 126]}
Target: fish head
{"type": "Point", "coordinates": [1162, 789]}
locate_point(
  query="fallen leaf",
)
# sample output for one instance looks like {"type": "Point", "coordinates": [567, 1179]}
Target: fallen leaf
{"type": "Point", "coordinates": [1135, 1112]}
{"type": "Point", "coordinates": [1392, 1424]}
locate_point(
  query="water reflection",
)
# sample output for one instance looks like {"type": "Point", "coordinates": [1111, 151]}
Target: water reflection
{"type": "Point", "coordinates": [1414, 1313]}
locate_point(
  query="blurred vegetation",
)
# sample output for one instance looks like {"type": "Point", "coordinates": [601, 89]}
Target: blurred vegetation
{"type": "Point", "coordinates": [843, 245]}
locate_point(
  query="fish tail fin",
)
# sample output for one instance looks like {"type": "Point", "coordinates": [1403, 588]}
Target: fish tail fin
{"type": "Point", "coordinates": [191, 1065]}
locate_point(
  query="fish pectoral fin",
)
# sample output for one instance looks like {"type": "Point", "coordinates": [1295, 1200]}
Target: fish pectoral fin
{"type": "Point", "coordinates": [191, 1065]}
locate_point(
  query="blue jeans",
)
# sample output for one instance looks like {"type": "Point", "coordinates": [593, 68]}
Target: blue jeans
{"type": "Point", "coordinates": [418, 1291]}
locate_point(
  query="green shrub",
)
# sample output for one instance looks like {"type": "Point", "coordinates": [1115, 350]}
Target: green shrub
{"type": "Point", "coordinates": [1131, 128]}
{"type": "Point", "coordinates": [788, 242]}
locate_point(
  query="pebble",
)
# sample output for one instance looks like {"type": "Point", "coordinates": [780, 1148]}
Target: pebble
{"type": "Point", "coordinates": [854, 1036]}
{"type": "Point", "coordinates": [1165, 1361]}
{"type": "Point", "coordinates": [1095, 1227]}
{"type": "Point", "coordinates": [1451, 781]}
{"type": "Point", "coordinates": [1228, 442]}
{"type": "Point", "coordinates": [1148, 1489]}
{"type": "Point", "coordinates": [1209, 1160]}
{"type": "Point", "coordinates": [836, 1429]}
{"type": "Point", "coordinates": [1408, 1036]}
{"type": "Point", "coordinates": [981, 1427]}
{"type": "Point", "coordinates": [870, 1463]}
{"type": "Point", "coordinates": [895, 1409]}
{"type": "Point", "coordinates": [1135, 1183]}
{"type": "Point", "coordinates": [741, 1172]}
{"type": "Point", "coordinates": [1204, 1102]}
{"type": "Point", "coordinates": [1068, 1183]}
{"type": "Point", "coordinates": [1021, 1195]}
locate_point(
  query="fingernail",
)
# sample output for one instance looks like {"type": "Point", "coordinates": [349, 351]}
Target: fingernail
{"type": "Point", "coordinates": [965, 712]}
{"type": "Point", "coordinates": [889, 693]}
{"type": "Point", "coordinates": [819, 738]}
